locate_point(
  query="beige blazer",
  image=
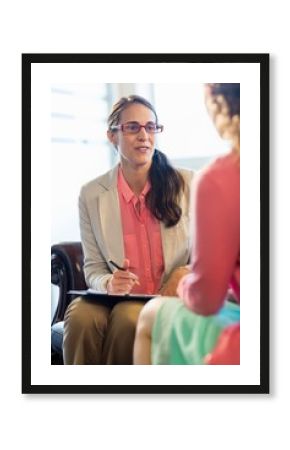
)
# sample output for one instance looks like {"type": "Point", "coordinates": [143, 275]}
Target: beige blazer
{"type": "Point", "coordinates": [102, 235]}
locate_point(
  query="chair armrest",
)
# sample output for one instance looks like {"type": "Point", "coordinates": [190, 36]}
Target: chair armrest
{"type": "Point", "coordinates": [66, 273]}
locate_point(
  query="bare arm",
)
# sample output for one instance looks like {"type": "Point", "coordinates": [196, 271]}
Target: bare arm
{"type": "Point", "coordinates": [215, 247]}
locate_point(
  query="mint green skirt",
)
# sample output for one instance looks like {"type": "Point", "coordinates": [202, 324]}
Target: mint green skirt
{"type": "Point", "coordinates": [180, 336]}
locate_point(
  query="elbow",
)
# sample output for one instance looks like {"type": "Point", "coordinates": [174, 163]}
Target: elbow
{"type": "Point", "coordinates": [203, 297]}
{"type": "Point", "coordinates": [204, 304]}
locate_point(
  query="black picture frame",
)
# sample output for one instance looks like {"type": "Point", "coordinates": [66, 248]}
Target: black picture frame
{"type": "Point", "coordinates": [263, 61]}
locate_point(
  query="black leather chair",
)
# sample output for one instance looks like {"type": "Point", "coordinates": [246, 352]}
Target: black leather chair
{"type": "Point", "coordinates": [66, 273]}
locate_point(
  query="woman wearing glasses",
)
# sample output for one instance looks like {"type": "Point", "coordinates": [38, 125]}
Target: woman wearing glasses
{"type": "Point", "coordinates": [136, 215]}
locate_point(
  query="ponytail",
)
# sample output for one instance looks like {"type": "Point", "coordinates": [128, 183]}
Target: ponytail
{"type": "Point", "coordinates": [166, 187]}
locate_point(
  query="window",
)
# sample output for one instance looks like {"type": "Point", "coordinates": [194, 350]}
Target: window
{"type": "Point", "coordinates": [189, 138]}
{"type": "Point", "coordinates": [79, 150]}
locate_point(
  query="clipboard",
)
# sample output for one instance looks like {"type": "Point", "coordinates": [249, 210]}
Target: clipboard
{"type": "Point", "coordinates": [111, 299]}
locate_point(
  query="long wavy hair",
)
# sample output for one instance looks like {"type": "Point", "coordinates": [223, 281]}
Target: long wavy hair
{"type": "Point", "coordinates": [167, 183]}
{"type": "Point", "coordinates": [223, 103]}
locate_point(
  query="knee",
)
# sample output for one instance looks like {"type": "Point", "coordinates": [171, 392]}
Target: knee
{"type": "Point", "coordinates": [125, 315]}
{"type": "Point", "coordinates": [148, 314]}
{"type": "Point", "coordinates": [82, 315]}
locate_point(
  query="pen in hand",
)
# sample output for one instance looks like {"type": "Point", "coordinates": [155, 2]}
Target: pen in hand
{"type": "Point", "coordinates": [122, 268]}
{"type": "Point", "coordinates": [116, 265]}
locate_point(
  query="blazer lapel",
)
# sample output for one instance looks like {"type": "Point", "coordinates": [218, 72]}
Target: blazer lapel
{"type": "Point", "coordinates": [110, 221]}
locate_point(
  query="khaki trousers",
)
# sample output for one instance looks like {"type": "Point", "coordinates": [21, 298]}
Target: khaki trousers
{"type": "Point", "coordinates": [97, 334]}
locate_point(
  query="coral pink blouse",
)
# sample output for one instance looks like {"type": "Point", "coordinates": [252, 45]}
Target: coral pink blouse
{"type": "Point", "coordinates": [216, 237]}
{"type": "Point", "coordinates": [142, 238]}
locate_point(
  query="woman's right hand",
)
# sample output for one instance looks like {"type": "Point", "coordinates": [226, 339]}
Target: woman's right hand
{"type": "Point", "coordinates": [122, 281]}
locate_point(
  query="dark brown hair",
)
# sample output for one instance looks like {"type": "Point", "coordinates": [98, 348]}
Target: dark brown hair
{"type": "Point", "coordinates": [166, 182]}
{"type": "Point", "coordinates": [223, 104]}
{"type": "Point", "coordinates": [231, 94]}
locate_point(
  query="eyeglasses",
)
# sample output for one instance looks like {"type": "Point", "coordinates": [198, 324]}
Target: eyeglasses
{"type": "Point", "coordinates": [135, 127]}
